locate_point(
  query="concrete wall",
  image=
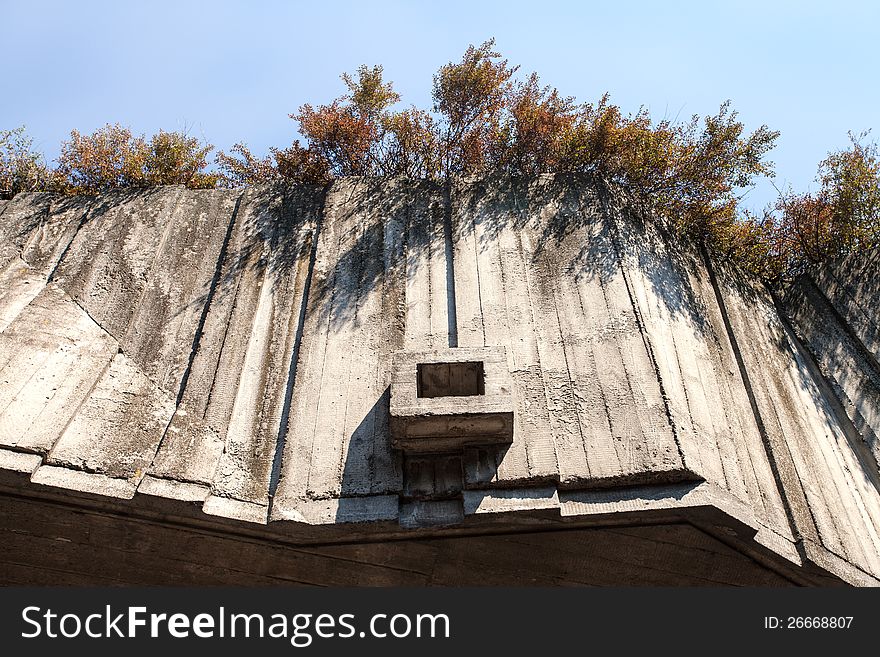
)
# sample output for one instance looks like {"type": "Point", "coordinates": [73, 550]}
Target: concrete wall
{"type": "Point", "coordinates": [227, 355]}
{"type": "Point", "coordinates": [836, 313]}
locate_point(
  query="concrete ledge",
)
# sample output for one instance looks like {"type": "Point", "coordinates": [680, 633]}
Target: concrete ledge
{"type": "Point", "coordinates": [438, 513]}
{"type": "Point", "coordinates": [19, 462]}
{"type": "Point", "coordinates": [227, 507]}
{"type": "Point", "coordinates": [172, 489]}
{"type": "Point", "coordinates": [642, 498]}
{"type": "Point", "coordinates": [84, 482]}
{"type": "Point", "coordinates": [471, 413]}
{"type": "Point", "coordinates": [702, 503]}
{"type": "Point", "coordinates": [781, 545]}
{"type": "Point", "coordinates": [373, 508]}
{"type": "Point", "coordinates": [510, 500]}
{"type": "Point", "coordinates": [16, 468]}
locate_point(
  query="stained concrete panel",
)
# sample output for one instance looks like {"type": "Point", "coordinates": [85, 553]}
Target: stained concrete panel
{"type": "Point", "coordinates": [118, 427]}
{"type": "Point", "coordinates": [536, 269]}
{"type": "Point", "coordinates": [831, 492]}
{"type": "Point", "coordinates": [851, 286]}
{"type": "Point", "coordinates": [377, 244]}
{"type": "Point", "coordinates": [51, 356]}
{"type": "Point", "coordinates": [36, 232]}
{"type": "Point", "coordinates": [840, 336]}
{"type": "Point", "coordinates": [225, 430]}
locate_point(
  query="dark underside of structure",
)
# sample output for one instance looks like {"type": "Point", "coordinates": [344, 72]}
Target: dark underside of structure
{"type": "Point", "coordinates": [57, 543]}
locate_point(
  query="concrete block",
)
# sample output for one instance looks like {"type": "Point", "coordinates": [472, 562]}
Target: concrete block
{"type": "Point", "coordinates": [510, 500]}
{"type": "Point", "coordinates": [431, 513]}
{"type": "Point", "coordinates": [444, 400]}
{"type": "Point", "coordinates": [172, 489]}
{"type": "Point", "coordinates": [227, 507]}
{"type": "Point", "coordinates": [436, 476]}
{"type": "Point", "coordinates": [85, 482]}
{"type": "Point", "coordinates": [17, 467]}
{"type": "Point", "coordinates": [371, 508]}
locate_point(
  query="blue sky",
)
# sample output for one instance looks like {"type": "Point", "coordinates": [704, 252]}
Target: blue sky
{"type": "Point", "coordinates": [233, 71]}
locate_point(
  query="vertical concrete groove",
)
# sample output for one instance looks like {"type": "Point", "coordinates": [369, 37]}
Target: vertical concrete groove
{"type": "Point", "coordinates": [212, 289]}
{"type": "Point", "coordinates": [169, 227]}
{"type": "Point", "coordinates": [82, 222]}
{"type": "Point", "coordinates": [853, 437]}
{"type": "Point", "coordinates": [521, 253]}
{"type": "Point", "coordinates": [81, 403]}
{"type": "Point", "coordinates": [640, 322]}
{"type": "Point", "coordinates": [332, 275]}
{"type": "Point", "coordinates": [571, 384]}
{"type": "Point", "coordinates": [275, 474]}
{"type": "Point", "coordinates": [604, 397]}
{"type": "Point", "coordinates": [863, 351]}
{"type": "Point", "coordinates": [451, 317]}
{"type": "Point", "coordinates": [530, 467]}
{"type": "Point", "coordinates": [377, 371]}
{"type": "Point", "coordinates": [477, 270]}
{"type": "Point", "coordinates": [429, 231]}
{"type": "Point", "coordinates": [609, 412]}
{"type": "Point", "coordinates": [345, 436]}
{"type": "Point", "coordinates": [753, 403]}
{"type": "Point", "coordinates": [197, 336]}
{"type": "Point", "coordinates": [219, 360]}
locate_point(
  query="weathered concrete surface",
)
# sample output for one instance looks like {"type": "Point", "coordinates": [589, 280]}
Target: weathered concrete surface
{"type": "Point", "coordinates": [52, 356]}
{"type": "Point", "coordinates": [36, 230]}
{"type": "Point", "coordinates": [691, 334]}
{"type": "Point", "coordinates": [224, 359]}
{"type": "Point", "coordinates": [537, 270]}
{"type": "Point", "coordinates": [337, 442]}
{"type": "Point", "coordinates": [836, 312]}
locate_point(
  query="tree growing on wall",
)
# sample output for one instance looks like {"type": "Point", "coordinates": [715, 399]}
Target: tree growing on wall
{"type": "Point", "coordinates": [842, 216]}
{"type": "Point", "coordinates": [689, 175]}
{"type": "Point", "coordinates": [113, 157]}
{"type": "Point", "coordinates": [21, 168]}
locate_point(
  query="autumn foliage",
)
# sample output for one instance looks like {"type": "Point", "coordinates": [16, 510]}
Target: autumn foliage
{"type": "Point", "coordinates": [113, 157]}
{"type": "Point", "coordinates": [21, 169]}
{"type": "Point", "coordinates": [484, 119]}
{"type": "Point", "coordinates": [841, 217]}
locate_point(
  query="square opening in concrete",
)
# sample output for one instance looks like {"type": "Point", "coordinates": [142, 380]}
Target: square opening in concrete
{"type": "Point", "coordinates": [444, 400]}
{"type": "Point", "coordinates": [466, 379]}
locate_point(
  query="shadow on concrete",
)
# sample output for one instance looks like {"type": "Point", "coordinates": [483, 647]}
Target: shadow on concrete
{"type": "Point", "coordinates": [370, 467]}
{"type": "Point", "coordinates": [380, 232]}
{"type": "Point", "coordinates": [373, 468]}
{"type": "Point", "coordinates": [274, 225]}
{"type": "Point", "coordinates": [579, 226]}
{"type": "Point", "coordinates": [575, 224]}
